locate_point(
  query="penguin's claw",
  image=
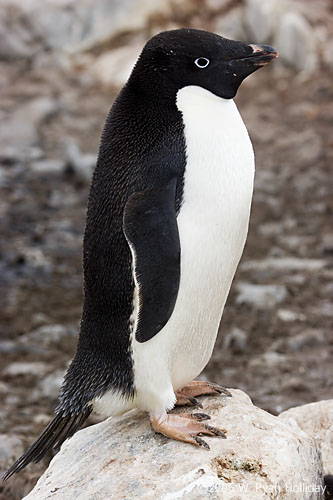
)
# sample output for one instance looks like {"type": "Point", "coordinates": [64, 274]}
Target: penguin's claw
{"type": "Point", "coordinates": [217, 432]}
{"type": "Point", "coordinates": [202, 443]}
{"type": "Point", "coordinates": [187, 395]}
{"type": "Point", "coordinates": [183, 400]}
{"type": "Point", "coordinates": [199, 416]}
{"type": "Point", "coordinates": [196, 416]}
{"type": "Point", "coordinates": [219, 389]}
{"type": "Point", "coordinates": [185, 427]}
{"type": "Point", "coordinates": [196, 402]}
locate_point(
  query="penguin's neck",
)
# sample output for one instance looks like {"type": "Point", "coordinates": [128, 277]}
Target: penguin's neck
{"type": "Point", "coordinates": [219, 152]}
{"type": "Point", "coordinates": [193, 101]}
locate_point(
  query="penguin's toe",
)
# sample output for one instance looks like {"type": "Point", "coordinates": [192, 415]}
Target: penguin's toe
{"type": "Point", "coordinates": [199, 416]}
{"type": "Point", "coordinates": [184, 427]}
{"type": "Point", "coordinates": [219, 389]}
{"type": "Point", "coordinates": [188, 394]}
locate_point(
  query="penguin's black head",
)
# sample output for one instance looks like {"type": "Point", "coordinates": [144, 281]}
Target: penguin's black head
{"type": "Point", "coordinates": [175, 59]}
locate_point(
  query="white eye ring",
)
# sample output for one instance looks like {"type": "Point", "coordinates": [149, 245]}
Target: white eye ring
{"type": "Point", "coordinates": [202, 62]}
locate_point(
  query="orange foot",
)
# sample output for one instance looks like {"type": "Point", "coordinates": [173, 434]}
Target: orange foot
{"type": "Point", "coordinates": [185, 427]}
{"type": "Point", "coordinates": [187, 395]}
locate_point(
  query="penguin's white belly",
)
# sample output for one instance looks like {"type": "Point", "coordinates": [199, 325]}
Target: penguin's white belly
{"type": "Point", "coordinates": [213, 224]}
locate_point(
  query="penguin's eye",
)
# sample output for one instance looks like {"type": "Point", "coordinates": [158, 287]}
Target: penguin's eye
{"type": "Point", "coordinates": [202, 62]}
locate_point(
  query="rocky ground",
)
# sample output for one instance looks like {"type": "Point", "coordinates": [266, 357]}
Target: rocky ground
{"type": "Point", "coordinates": [275, 339]}
{"type": "Point", "coordinates": [263, 458]}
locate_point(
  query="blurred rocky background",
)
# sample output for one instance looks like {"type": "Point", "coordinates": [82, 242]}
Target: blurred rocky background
{"type": "Point", "coordinates": [62, 64]}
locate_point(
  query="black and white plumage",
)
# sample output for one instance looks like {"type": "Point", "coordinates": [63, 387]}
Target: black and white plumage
{"type": "Point", "coordinates": [166, 225]}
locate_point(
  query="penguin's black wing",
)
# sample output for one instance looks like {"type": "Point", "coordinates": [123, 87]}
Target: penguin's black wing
{"type": "Point", "coordinates": [150, 227]}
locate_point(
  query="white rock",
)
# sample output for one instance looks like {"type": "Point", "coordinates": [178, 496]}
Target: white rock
{"type": "Point", "coordinates": [70, 26]}
{"type": "Point", "coordinates": [268, 360]}
{"type": "Point", "coordinates": [235, 340]}
{"type": "Point", "coordinates": [39, 319]}
{"type": "Point", "coordinates": [308, 338]}
{"type": "Point", "coordinates": [113, 67]}
{"type": "Point", "coordinates": [82, 164]}
{"type": "Point", "coordinates": [284, 264]}
{"type": "Point", "coordinates": [287, 316]}
{"type": "Point", "coordinates": [296, 42]}
{"type": "Point", "coordinates": [41, 419]}
{"type": "Point", "coordinates": [10, 447]}
{"type": "Point", "coordinates": [8, 346]}
{"type": "Point", "coordinates": [49, 386]}
{"type": "Point", "coordinates": [10, 154]}
{"type": "Point", "coordinates": [260, 296]}
{"type": "Point", "coordinates": [316, 419]}
{"type": "Point", "coordinates": [48, 335]}
{"type": "Point", "coordinates": [21, 368]}
{"type": "Point", "coordinates": [230, 24]}
{"type": "Point", "coordinates": [261, 18]}
{"type": "Point", "coordinates": [48, 167]}
{"type": "Point", "coordinates": [4, 388]}
{"type": "Point", "coordinates": [36, 258]}
{"type": "Point", "coordinates": [123, 458]}
{"type": "Point", "coordinates": [216, 5]}
{"type": "Point", "coordinates": [20, 129]}
{"type": "Point", "coordinates": [16, 40]}
{"type": "Point", "coordinates": [271, 228]}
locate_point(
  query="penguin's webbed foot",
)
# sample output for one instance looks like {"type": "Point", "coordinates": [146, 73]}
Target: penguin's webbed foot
{"type": "Point", "coordinates": [186, 427]}
{"type": "Point", "coordinates": [187, 395]}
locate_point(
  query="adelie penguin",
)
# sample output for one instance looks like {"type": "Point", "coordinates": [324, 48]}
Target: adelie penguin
{"type": "Point", "coordinates": [167, 221]}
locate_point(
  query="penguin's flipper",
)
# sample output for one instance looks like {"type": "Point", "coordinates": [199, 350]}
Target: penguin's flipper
{"type": "Point", "coordinates": [150, 227]}
{"type": "Point", "coordinates": [59, 429]}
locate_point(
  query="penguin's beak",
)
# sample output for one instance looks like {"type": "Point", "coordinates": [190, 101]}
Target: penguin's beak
{"type": "Point", "coordinates": [243, 60]}
{"type": "Point", "coordinates": [261, 55]}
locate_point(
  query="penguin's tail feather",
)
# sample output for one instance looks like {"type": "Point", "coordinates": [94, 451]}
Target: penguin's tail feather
{"type": "Point", "coordinates": [59, 429]}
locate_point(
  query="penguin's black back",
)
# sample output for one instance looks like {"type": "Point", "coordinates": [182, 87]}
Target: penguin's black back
{"type": "Point", "coordinates": [142, 141]}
